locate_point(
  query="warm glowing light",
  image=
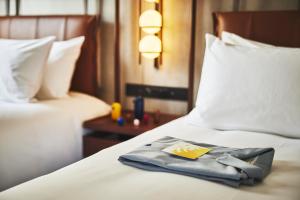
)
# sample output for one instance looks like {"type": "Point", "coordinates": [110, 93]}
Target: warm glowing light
{"type": "Point", "coordinates": [150, 46]}
{"type": "Point", "coordinates": [153, 1]}
{"type": "Point", "coordinates": [150, 21]}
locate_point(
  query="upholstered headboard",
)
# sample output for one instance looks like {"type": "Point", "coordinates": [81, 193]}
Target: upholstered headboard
{"type": "Point", "coordinates": [63, 27]}
{"type": "Point", "coordinates": [281, 28]}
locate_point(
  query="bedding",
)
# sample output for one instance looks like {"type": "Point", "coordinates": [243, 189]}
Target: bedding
{"type": "Point", "coordinates": [41, 137]}
{"type": "Point", "coordinates": [245, 88]}
{"type": "Point", "coordinates": [102, 176]}
{"type": "Point", "coordinates": [235, 39]}
{"type": "Point", "coordinates": [60, 68]}
{"type": "Point", "coordinates": [22, 67]}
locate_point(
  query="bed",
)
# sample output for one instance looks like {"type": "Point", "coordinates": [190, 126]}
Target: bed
{"type": "Point", "coordinates": [40, 137]}
{"type": "Point", "coordinates": [102, 176]}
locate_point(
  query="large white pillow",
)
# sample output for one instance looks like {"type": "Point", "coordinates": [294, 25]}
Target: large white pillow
{"type": "Point", "coordinates": [60, 68]}
{"type": "Point", "coordinates": [234, 39]}
{"type": "Point", "coordinates": [21, 67]}
{"type": "Point", "coordinates": [252, 89]}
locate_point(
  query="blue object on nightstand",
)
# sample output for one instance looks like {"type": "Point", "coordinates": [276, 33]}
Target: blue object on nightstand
{"type": "Point", "coordinates": [139, 107]}
{"type": "Point", "coordinates": [120, 121]}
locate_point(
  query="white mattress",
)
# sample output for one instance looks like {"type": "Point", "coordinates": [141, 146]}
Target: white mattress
{"type": "Point", "coordinates": [38, 138]}
{"type": "Point", "coordinates": [101, 176]}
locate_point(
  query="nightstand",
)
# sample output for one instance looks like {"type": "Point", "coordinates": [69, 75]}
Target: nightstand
{"type": "Point", "coordinates": [105, 132]}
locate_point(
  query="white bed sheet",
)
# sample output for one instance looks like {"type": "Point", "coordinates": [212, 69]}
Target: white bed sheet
{"type": "Point", "coordinates": [38, 138]}
{"type": "Point", "coordinates": [101, 176]}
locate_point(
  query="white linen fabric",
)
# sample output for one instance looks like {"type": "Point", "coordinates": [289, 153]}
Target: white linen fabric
{"type": "Point", "coordinates": [102, 176]}
{"type": "Point", "coordinates": [253, 89]}
{"type": "Point", "coordinates": [21, 67]}
{"type": "Point", "coordinates": [38, 138]}
{"type": "Point", "coordinates": [60, 68]}
{"type": "Point", "coordinates": [234, 39]}
{"type": "Point", "coordinates": [82, 106]}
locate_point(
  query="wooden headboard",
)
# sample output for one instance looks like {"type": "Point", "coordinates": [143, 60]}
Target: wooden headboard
{"type": "Point", "coordinates": [63, 27]}
{"type": "Point", "coordinates": [281, 28]}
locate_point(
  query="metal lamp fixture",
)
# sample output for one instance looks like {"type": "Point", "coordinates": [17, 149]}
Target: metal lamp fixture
{"type": "Point", "coordinates": [150, 22]}
{"type": "Point", "coordinates": [153, 1]}
{"type": "Point", "coordinates": [150, 46]}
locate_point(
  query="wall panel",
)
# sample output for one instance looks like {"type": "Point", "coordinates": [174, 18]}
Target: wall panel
{"type": "Point", "coordinates": [174, 70]}
{"type": "Point", "coordinates": [2, 8]}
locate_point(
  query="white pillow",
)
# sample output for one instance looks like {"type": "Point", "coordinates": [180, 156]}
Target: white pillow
{"type": "Point", "coordinates": [21, 67]}
{"type": "Point", "coordinates": [60, 68]}
{"type": "Point", "coordinates": [252, 89]}
{"type": "Point", "coordinates": [231, 38]}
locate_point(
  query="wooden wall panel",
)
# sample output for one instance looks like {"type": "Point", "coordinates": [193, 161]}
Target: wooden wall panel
{"type": "Point", "coordinates": [174, 69]}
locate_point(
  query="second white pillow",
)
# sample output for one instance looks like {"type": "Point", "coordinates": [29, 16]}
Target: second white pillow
{"type": "Point", "coordinates": [234, 39]}
{"type": "Point", "coordinates": [250, 89]}
{"type": "Point", "coordinates": [60, 68]}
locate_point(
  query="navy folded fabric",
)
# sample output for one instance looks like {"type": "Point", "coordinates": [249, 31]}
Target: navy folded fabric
{"type": "Point", "coordinates": [230, 166]}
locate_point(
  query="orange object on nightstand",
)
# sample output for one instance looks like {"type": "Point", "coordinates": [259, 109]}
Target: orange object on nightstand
{"type": "Point", "coordinates": [116, 111]}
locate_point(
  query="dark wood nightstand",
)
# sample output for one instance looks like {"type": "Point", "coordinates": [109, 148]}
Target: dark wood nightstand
{"type": "Point", "coordinates": [106, 132]}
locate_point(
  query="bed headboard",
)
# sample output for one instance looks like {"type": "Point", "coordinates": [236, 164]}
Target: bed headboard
{"type": "Point", "coordinates": [63, 27]}
{"type": "Point", "coordinates": [281, 28]}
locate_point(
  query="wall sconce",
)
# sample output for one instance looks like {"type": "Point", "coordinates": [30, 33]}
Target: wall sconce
{"type": "Point", "coordinates": [150, 22]}
{"type": "Point", "coordinates": [153, 1]}
{"type": "Point", "coordinates": [150, 46]}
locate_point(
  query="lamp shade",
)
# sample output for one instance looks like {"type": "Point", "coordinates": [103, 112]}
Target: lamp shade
{"type": "Point", "coordinates": [150, 46]}
{"type": "Point", "coordinates": [153, 1]}
{"type": "Point", "coordinates": [150, 21]}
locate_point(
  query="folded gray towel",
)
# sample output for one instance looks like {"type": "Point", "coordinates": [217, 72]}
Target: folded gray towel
{"type": "Point", "coordinates": [230, 166]}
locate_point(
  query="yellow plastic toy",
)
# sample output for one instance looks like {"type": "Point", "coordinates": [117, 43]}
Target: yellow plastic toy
{"type": "Point", "coordinates": [116, 110]}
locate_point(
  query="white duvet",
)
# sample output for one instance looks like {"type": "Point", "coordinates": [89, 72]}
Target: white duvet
{"type": "Point", "coordinates": [101, 176]}
{"type": "Point", "coordinates": [38, 138]}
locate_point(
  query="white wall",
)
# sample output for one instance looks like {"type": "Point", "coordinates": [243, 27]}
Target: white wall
{"type": "Point", "coordinates": [2, 7]}
{"type": "Point", "coordinates": [48, 7]}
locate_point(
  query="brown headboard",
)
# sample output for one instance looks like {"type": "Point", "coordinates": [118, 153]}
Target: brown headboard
{"type": "Point", "coordinates": [63, 27]}
{"type": "Point", "coordinates": [281, 28]}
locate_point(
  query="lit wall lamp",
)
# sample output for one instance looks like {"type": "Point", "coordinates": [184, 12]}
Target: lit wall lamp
{"type": "Point", "coordinates": [150, 46]}
{"type": "Point", "coordinates": [153, 1]}
{"type": "Point", "coordinates": [150, 22]}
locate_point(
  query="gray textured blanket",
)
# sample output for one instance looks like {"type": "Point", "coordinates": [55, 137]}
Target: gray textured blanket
{"type": "Point", "coordinates": [229, 166]}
